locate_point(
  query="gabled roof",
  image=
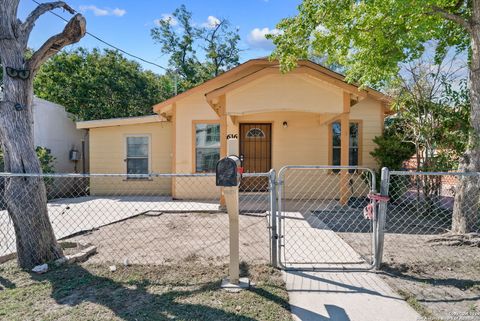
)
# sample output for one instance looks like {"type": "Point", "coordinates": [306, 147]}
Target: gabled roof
{"type": "Point", "coordinates": [263, 66]}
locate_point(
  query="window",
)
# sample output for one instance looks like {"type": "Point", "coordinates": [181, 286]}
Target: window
{"type": "Point", "coordinates": [137, 154]}
{"type": "Point", "coordinates": [255, 133]}
{"type": "Point", "coordinates": [207, 147]}
{"type": "Point", "coordinates": [353, 153]}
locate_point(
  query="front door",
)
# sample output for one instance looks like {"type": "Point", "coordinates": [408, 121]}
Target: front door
{"type": "Point", "coordinates": [256, 152]}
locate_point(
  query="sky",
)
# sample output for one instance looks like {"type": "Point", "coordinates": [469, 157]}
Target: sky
{"type": "Point", "coordinates": [127, 23]}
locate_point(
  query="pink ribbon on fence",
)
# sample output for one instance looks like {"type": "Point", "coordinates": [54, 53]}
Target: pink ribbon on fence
{"type": "Point", "coordinates": [368, 210]}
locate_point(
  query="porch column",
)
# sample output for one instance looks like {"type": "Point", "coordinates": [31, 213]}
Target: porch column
{"type": "Point", "coordinates": [174, 149]}
{"type": "Point", "coordinates": [345, 143]}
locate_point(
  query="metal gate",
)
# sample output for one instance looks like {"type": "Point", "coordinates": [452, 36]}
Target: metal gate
{"type": "Point", "coordinates": [321, 222]}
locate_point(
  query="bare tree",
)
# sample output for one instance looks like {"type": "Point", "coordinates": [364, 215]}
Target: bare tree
{"type": "Point", "coordinates": [25, 196]}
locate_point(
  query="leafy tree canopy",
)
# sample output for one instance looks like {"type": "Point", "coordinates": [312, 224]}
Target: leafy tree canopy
{"type": "Point", "coordinates": [197, 53]}
{"type": "Point", "coordinates": [100, 84]}
{"type": "Point", "coordinates": [371, 38]}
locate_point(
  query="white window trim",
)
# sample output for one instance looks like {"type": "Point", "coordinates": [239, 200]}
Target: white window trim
{"type": "Point", "coordinates": [149, 156]}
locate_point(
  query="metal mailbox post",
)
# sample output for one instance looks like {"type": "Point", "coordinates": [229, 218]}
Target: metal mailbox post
{"type": "Point", "coordinates": [228, 175]}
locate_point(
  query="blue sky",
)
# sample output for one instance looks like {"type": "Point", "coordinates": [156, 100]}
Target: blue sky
{"type": "Point", "coordinates": [127, 23]}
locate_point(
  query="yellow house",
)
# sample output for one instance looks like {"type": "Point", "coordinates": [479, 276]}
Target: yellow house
{"type": "Point", "coordinates": [280, 119]}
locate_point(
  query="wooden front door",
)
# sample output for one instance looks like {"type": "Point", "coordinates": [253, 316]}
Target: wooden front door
{"type": "Point", "coordinates": [256, 152]}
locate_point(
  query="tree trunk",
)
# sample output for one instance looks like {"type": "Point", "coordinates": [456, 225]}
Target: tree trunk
{"type": "Point", "coordinates": [465, 210]}
{"type": "Point", "coordinates": [25, 197]}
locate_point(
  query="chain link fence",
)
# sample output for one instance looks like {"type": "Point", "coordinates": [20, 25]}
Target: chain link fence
{"type": "Point", "coordinates": [322, 223]}
{"type": "Point", "coordinates": [420, 214]}
{"type": "Point", "coordinates": [161, 218]}
{"type": "Point", "coordinates": [422, 258]}
{"type": "Point", "coordinates": [148, 219]}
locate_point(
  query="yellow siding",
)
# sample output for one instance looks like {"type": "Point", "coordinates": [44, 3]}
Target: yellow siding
{"type": "Point", "coordinates": [290, 92]}
{"type": "Point", "coordinates": [300, 100]}
{"type": "Point", "coordinates": [370, 112]}
{"type": "Point", "coordinates": [108, 153]}
{"type": "Point", "coordinates": [189, 109]}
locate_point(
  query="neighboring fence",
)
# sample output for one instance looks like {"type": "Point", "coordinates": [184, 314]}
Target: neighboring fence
{"type": "Point", "coordinates": [157, 218]}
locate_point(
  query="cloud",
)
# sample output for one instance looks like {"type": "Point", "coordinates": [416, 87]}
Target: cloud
{"type": "Point", "coordinates": [256, 38]}
{"type": "Point", "coordinates": [100, 12]}
{"type": "Point", "coordinates": [211, 22]}
{"type": "Point", "coordinates": [168, 18]}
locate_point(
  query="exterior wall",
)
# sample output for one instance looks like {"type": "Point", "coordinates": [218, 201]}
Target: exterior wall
{"type": "Point", "coordinates": [300, 100]}
{"type": "Point", "coordinates": [285, 92]}
{"type": "Point", "coordinates": [54, 129]}
{"type": "Point", "coordinates": [108, 153]}
{"type": "Point", "coordinates": [303, 142]}
{"type": "Point", "coordinates": [370, 112]}
{"type": "Point", "coordinates": [192, 108]}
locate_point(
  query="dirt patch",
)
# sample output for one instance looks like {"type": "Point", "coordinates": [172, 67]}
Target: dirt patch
{"type": "Point", "coordinates": [172, 237]}
{"type": "Point", "coordinates": [443, 279]}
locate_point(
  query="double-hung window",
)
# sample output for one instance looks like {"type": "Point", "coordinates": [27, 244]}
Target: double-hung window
{"type": "Point", "coordinates": [353, 148]}
{"type": "Point", "coordinates": [207, 147]}
{"type": "Point", "coordinates": [137, 155]}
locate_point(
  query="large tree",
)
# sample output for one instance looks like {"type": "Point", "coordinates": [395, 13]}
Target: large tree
{"type": "Point", "coordinates": [99, 85]}
{"type": "Point", "coordinates": [372, 38]}
{"type": "Point", "coordinates": [25, 197]}
{"type": "Point", "coordinates": [197, 53]}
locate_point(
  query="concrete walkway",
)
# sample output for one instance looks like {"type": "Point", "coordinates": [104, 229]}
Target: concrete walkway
{"type": "Point", "coordinates": [342, 292]}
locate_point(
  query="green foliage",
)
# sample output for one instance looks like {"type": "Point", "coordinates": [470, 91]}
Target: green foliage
{"type": "Point", "coordinates": [391, 150]}
{"type": "Point", "coordinates": [369, 38]}
{"type": "Point", "coordinates": [434, 110]}
{"type": "Point", "coordinates": [47, 160]}
{"type": "Point", "coordinates": [218, 43]}
{"type": "Point", "coordinates": [99, 85]}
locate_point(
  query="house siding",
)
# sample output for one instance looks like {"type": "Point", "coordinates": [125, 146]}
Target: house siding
{"type": "Point", "coordinates": [303, 142]}
{"type": "Point", "coordinates": [108, 152]}
{"type": "Point", "coordinates": [307, 103]}
{"type": "Point", "coordinates": [190, 109]}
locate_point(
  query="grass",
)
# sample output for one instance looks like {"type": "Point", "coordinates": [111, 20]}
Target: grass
{"type": "Point", "coordinates": [417, 306]}
{"type": "Point", "coordinates": [136, 293]}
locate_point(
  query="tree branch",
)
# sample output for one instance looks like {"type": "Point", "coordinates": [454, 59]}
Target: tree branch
{"type": "Point", "coordinates": [29, 23]}
{"type": "Point", "coordinates": [72, 33]}
{"type": "Point", "coordinates": [452, 17]}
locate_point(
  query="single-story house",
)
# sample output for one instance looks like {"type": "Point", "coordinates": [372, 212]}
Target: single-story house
{"type": "Point", "coordinates": [280, 119]}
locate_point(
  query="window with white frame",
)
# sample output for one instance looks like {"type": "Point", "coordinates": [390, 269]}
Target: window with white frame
{"type": "Point", "coordinates": [207, 147]}
{"type": "Point", "coordinates": [137, 154]}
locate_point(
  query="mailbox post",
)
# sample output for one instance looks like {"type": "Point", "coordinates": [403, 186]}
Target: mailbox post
{"type": "Point", "coordinates": [228, 176]}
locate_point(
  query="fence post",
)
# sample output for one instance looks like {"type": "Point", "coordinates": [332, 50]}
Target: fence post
{"type": "Point", "coordinates": [381, 218]}
{"type": "Point", "coordinates": [273, 218]}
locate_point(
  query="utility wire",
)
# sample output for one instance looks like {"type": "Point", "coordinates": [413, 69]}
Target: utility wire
{"type": "Point", "coordinates": [109, 44]}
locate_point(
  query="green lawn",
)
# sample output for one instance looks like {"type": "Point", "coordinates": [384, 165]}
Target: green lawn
{"type": "Point", "coordinates": [188, 292]}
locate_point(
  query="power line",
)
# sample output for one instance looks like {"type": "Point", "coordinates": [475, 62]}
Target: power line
{"type": "Point", "coordinates": [109, 44]}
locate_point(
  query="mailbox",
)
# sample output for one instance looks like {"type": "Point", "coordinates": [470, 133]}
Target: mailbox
{"type": "Point", "coordinates": [229, 171]}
